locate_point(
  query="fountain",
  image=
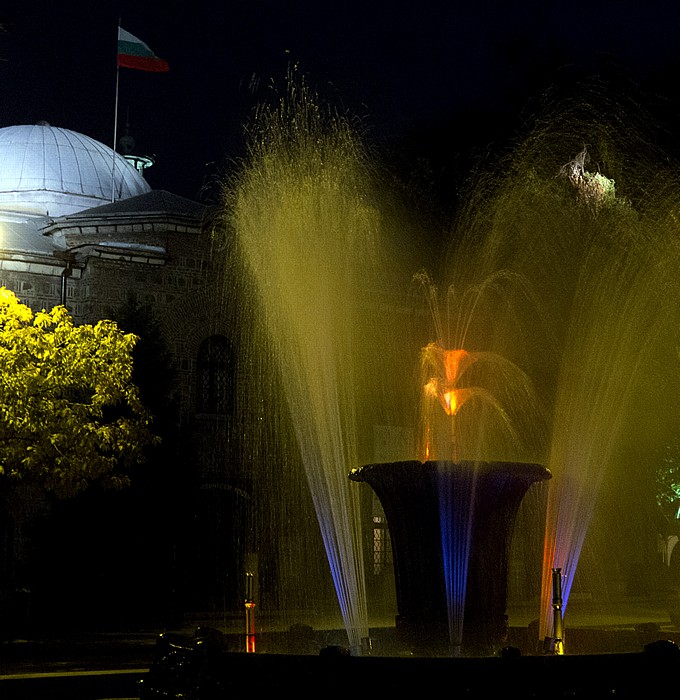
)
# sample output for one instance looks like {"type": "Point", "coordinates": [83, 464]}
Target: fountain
{"type": "Point", "coordinates": [451, 519]}
{"type": "Point", "coordinates": [412, 494]}
{"type": "Point", "coordinates": [558, 270]}
{"type": "Point", "coordinates": [310, 237]}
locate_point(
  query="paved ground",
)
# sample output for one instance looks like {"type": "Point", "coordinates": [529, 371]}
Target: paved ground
{"type": "Point", "coordinates": [110, 665]}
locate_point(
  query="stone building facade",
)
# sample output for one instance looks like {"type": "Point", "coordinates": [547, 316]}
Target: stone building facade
{"type": "Point", "coordinates": [80, 226]}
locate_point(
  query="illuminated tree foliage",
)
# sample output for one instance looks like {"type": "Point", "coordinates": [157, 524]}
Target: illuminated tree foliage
{"type": "Point", "coordinates": [69, 412]}
{"type": "Point", "coordinates": [668, 482]}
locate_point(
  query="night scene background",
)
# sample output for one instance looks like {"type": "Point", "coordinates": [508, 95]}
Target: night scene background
{"type": "Point", "coordinates": [436, 86]}
{"type": "Point", "coordinates": [450, 79]}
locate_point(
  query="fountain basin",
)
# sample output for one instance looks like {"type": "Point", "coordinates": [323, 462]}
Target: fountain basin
{"type": "Point", "coordinates": [193, 667]}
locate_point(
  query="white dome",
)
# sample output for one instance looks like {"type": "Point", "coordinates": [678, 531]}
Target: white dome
{"type": "Point", "coordinates": [48, 170]}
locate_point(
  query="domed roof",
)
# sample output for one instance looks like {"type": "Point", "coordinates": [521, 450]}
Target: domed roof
{"type": "Point", "coordinates": [49, 170]}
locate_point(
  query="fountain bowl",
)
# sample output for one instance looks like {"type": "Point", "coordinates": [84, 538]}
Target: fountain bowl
{"type": "Point", "coordinates": [475, 504]}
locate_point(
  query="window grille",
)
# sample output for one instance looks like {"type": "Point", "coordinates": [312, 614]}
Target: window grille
{"type": "Point", "coordinates": [215, 371]}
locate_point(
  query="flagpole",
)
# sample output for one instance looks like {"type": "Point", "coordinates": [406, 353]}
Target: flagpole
{"type": "Point", "coordinates": [115, 125]}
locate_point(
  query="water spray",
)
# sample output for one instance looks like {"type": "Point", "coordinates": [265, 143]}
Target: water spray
{"type": "Point", "coordinates": [250, 613]}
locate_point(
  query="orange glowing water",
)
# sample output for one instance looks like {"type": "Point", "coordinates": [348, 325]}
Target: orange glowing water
{"type": "Point", "coordinates": [450, 384]}
{"type": "Point", "coordinates": [443, 387]}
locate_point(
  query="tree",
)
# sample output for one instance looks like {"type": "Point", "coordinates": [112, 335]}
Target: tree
{"type": "Point", "coordinates": [70, 414]}
{"type": "Point", "coordinates": [668, 482]}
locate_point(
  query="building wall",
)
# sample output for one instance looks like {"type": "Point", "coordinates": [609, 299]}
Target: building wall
{"type": "Point", "coordinates": [181, 287]}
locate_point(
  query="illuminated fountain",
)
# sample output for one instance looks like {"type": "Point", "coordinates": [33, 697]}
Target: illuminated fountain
{"type": "Point", "coordinates": [312, 240]}
{"type": "Point", "coordinates": [556, 345]}
{"type": "Point", "coordinates": [556, 276]}
{"type": "Point", "coordinates": [451, 519]}
{"type": "Point", "coordinates": [603, 268]}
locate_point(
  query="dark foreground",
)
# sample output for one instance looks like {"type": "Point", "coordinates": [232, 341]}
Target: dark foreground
{"type": "Point", "coordinates": [206, 665]}
{"type": "Point", "coordinates": [622, 676]}
{"type": "Point", "coordinates": [196, 667]}
{"type": "Point", "coordinates": [79, 667]}
{"type": "Point", "coordinates": [76, 685]}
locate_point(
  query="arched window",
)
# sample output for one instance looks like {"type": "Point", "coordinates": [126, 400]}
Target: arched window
{"type": "Point", "coordinates": [215, 370]}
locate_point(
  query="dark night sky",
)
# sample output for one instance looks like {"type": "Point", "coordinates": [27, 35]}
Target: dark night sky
{"type": "Point", "coordinates": [402, 67]}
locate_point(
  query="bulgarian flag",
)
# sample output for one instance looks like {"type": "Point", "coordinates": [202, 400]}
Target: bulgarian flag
{"type": "Point", "coordinates": [133, 53]}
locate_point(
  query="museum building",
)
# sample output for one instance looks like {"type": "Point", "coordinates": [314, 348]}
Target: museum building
{"type": "Point", "coordinates": [81, 227]}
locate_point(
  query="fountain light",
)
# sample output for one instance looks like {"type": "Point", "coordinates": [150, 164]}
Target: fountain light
{"type": "Point", "coordinates": [250, 613]}
{"type": "Point", "coordinates": [558, 627]}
